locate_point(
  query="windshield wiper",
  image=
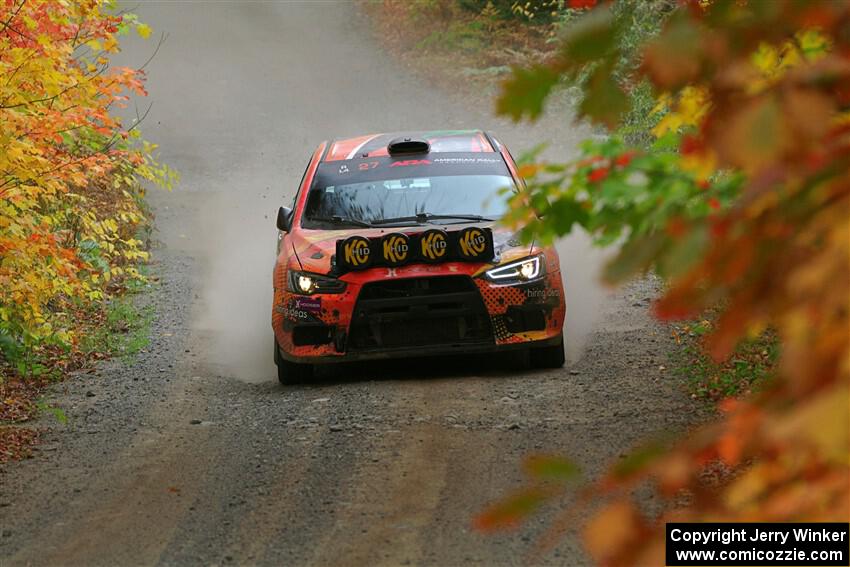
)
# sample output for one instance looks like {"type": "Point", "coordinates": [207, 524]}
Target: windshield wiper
{"type": "Point", "coordinates": [425, 217]}
{"type": "Point", "coordinates": [341, 220]}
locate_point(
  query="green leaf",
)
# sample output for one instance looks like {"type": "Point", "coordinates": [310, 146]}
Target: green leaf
{"type": "Point", "coordinates": [639, 458]}
{"type": "Point", "coordinates": [604, 101]}
{"type": "Point", "coordinates": [564, 213]}
{"type": "Point", "coordinates": [592, 37]}
{"type": "Point", "coordinates": [524, 93]}
{"type": "Point", "coordinates": [513, 510]}
{"type": "Point", "coordinates": [637, 255]}
{"type": "Point", "coordinates": [685, 252]}
{"type": "Point", "coordinates": [550, 467]}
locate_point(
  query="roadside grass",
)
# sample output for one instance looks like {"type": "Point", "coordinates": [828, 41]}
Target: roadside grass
{"type": "Point", "coordinates": [118, 329]}
{"type": "Point", "coordinates": [749, 369]}
{"type": "Point", "coordinates": [124, 331]}
{"type": "Point", "coordinates": [465, 47]}
{"type": "Point", "coordinates": [115, 326]}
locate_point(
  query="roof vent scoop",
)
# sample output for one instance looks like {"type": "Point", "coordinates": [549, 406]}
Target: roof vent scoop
{"type": "Point", "coordinates": [406, 146]}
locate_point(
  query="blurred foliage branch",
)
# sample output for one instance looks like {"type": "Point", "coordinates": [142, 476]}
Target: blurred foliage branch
{"type": "Point", "coordinates": [742, 201]}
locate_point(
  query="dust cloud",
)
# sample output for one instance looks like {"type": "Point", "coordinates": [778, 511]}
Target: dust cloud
{"type": "Point", "coordinates": [581, 266]}
{"type": "Point", "coordinates": [234, 311]}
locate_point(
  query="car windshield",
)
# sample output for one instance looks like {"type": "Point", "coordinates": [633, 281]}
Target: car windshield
{"type": "Point", "coordinates": [401, 201]}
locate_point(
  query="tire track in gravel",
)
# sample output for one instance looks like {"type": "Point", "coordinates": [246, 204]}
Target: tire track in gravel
{"type": "Point", "coordinates": [394, 495]}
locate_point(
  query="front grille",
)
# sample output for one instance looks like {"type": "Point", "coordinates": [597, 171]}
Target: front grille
{"type": "Point", "coordinates": [414, 312]}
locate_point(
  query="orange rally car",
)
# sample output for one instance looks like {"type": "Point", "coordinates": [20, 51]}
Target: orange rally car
{"type": "Point", "coordinates": [390, 249]}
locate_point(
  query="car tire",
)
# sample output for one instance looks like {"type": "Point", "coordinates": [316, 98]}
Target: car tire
{"type": "Point", "coordinates": [548, 356]}
{"type": "Point", "coordinates": [289, 373]}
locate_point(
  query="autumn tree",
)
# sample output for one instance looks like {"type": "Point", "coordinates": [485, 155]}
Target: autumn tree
{"type": "Point", "coordinates": [70, 198]}
{"type": "Point", "coordinates": [741, 203]}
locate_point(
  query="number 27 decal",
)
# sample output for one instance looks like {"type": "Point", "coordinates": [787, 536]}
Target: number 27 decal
{"type": "Point", "coordinates": [365, 166]}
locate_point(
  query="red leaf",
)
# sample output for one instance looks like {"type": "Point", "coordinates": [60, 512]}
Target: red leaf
{"type": "Point", "coordinates": [625, 158]}
{"type": "Point", "coordinates": [691, 145]}
{"type": "Point", "coordinates": [582, 4]}
{"type": "Point", "coordinates": [677, 227]}
{"type": "Point", "coordinates": [598, 174]}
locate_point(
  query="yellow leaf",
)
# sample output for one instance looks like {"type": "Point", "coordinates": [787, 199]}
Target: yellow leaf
{"type": "Point", "coordinates": [822, 422]}
{"type": "Point", "coordinates": [143, 30]}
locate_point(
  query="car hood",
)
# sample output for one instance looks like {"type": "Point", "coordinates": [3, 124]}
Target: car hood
{"type": "Point", "coordinates": [315, 248]}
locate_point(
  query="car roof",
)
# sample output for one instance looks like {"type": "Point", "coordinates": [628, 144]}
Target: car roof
{"type": "Point", "coordinates": [375, 145]}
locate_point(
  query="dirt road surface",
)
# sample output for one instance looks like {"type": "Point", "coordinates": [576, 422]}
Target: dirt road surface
{"type": "Point", "coordinates": [178, 458]}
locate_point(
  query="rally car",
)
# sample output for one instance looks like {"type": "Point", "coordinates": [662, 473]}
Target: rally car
{"type": "Point", "coordinates": [391, 248]}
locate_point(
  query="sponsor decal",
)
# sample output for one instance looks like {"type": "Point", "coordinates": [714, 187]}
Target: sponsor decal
{"type": "Point", "coordinates": [343, 168]}
{"type": "Point", "coordinates": [433, 245]}
{"type": "Point", "coordinates": [409, 162]}
{"type": "Point", "coordinates": [465, 160]}
{"type": "Point", "coordinates": [472, 242]}
{"type": "Point", "coordinates": [310, 304]}
{"type": "Point", "coordinates": [293, 314]}
{"type": "Point", "coordinates": [356, 252]}
{"type": "Point", "coordinates": [395, 248]}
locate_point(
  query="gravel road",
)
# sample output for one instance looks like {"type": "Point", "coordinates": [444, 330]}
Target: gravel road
{"type": "Point", "coordinates": [179, 458]}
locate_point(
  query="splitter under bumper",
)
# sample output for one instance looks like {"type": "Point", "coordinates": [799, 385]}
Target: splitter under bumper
{"type": "Point", "coordinates": [424, 351]}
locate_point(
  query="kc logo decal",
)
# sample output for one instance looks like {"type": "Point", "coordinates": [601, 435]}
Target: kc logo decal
{"type": "Point", "coordinates": [356, 252]}
{"type": "Point", "coordinates": [433, 245]}
{"type": "Point", "coordinates": [472, 242]}
{"type": "Point", "coordinates": [395, 248]}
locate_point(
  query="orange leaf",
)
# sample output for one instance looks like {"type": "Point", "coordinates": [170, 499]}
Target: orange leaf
{"type": "Point", "coordinates": [611, 529]}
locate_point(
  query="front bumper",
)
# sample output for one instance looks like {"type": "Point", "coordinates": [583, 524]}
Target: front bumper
{"type": "Point", "coordinates": [418, 316]}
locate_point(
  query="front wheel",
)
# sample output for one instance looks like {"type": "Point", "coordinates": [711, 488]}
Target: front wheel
{"type": "Point", "coordinates": [289, 373]}
{"type": "Point", "coordinates": [548, 356]}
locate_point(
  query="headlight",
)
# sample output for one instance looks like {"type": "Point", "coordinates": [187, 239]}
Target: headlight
{"type": "Point", "coordinates": [517, 272]}
{"type": "Point", "coordinates": [308, 284]}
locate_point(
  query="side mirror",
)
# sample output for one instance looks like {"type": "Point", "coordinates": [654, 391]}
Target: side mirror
{"type": "Point", "coordinates": [284, 219]}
